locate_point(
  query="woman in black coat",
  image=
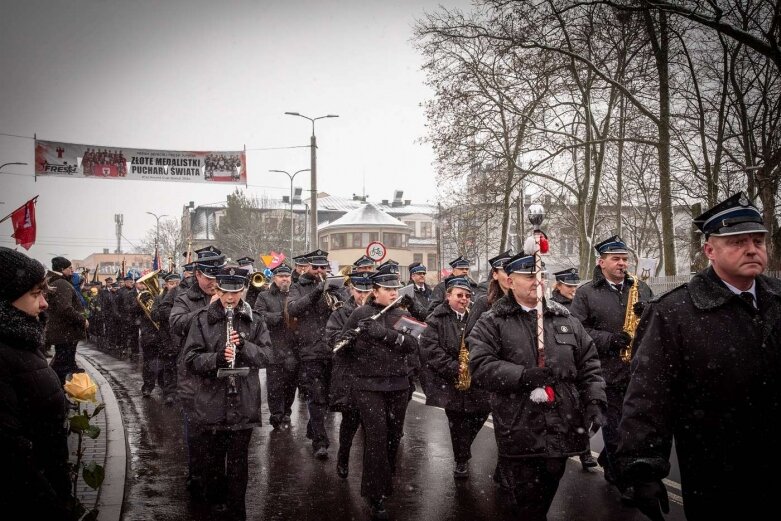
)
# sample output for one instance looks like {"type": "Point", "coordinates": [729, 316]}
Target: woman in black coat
{"type": "Point", "coordinates": [33, 408]}
{"type": "Point", "coordinates": [380, 388]}
{"type": "Point", "coordinates": [440, 345]}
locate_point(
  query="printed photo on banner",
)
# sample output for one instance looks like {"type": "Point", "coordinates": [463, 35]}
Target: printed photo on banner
{"type": "Point", "coordinates": [104, 162]}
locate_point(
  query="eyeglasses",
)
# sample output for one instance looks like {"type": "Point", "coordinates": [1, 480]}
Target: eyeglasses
{"type": "Point", "coordinates": [462, 295]}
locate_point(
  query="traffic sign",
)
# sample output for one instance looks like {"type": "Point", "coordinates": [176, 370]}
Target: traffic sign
{"type": "Point", "coordinates": [376, 251]}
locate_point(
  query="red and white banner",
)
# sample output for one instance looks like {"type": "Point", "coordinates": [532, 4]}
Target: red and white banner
{"type": "Point", "coordinates": [102, 162]}
{"type": "Point", "coordinates": [23, 220]}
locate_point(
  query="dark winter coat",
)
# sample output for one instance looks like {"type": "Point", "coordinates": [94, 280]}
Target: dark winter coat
{"type": "Point", "coordinates": [439, 291]}
{"type": "Point", "coordinates": [381, 365]}
{"type": "Point", "coordinates": [422, 301]}
{"type": "Point", "coordinates": [306, 302]}
{"type": "Point", "coordinates": [159, 316]}
{"type": "Point", "coordinates": [440, 344]}
{"type": "Point", "coordinates": [706, 372]}
{"type": "Point", "coordinates": [161, 311]}
{"type": "Point", "coordinates": [271, 306]}
{"type": "Point", "coordinates": [204, 345]}
{"type": "Point", "coordinates": [187, 304]}
{"type": "Point", "coordinates": [66, 314]}
{"type": "Point", "coordinates": [558, 298]}
{"type": "Point", "coordinates": [342, 376]}
{"type": "Point", "coordinates": [601, 310]}
{"type": "Point", "coordinates": [502, 346]}
{"type": "Point", "coordinates": [33, 439]}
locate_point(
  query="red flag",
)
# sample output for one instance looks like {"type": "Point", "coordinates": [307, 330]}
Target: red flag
{"type": "Point", "coordinates": [23, 219]}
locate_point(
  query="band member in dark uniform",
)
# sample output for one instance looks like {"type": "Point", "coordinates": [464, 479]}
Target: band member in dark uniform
{"type": "Point", "coordinates": [282, 374]}
{"type": "Point", "coordinates": [151, 344]}
{"type": "Point", "coordinates": [341, 374]}
{"type": "Point", "coordinates": [498, 287]}
{"type": "Point", "coordinates": [601, 306]}
{"type": "Point", "coordinates": [460, 268]}
{"type": "Point", "coordinates": [381, 385]}
{"type": "Point", "coordinates": [422, 297]}
{"type": "Point", "coordinates": [302, 266]}
{"type": "Point", "coordinates": [445, 372]}
{"type": "Point", "coordinates": [228, 408]}
{"type": "Point", "coordinates": [252, 290]}
{"type": "Point", "coordinates": [187, 304]}
{"type": "Point", "coordinates": [535, 438]}
{"type": "Point", "coordinates": [564, 288]}
{"type": "Point", "coordinates": [309, 304]}
{"type": "Point", "coordinates": [705, 373]}
{"type": "Point", "coordinates": [168, 350]}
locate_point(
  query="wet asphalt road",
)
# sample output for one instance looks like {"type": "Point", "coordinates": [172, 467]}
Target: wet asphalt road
{"type": "Point", "coordinates": [287, 483]}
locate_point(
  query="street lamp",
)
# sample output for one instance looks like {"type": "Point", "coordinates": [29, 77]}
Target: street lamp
{"type": "Point", "coordinates": [157, 233]}
{"type": "Point", "coordinates": [313, 171]}
{"type": "Point", "coordinates": [293, 176]}
{"type": "Point", "coordinates": [13, 163]}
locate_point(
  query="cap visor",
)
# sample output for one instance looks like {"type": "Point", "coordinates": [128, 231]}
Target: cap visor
{"type": "Point", "coordinates": [738, 229]}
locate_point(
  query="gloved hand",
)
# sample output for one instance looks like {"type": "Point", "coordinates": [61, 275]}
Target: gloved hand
{"type": "Point", "coordinates": [620, 340]}
{"type": "Point", "coordinates": [594, 416]}
{"type": "Point", "coordinates": [407, 302]}
{"type": "Point", "coordinates": [221, 361]}
{"type": "Point", "coordinates": [535, 377]}
{"type": "Point", "coordinates": [651, 499]}
{"type": "Point", "coordinates": [372, 329]}
{"type": "Point", "coordinates": [346, 336]}
{"type": "Point", "coordinates": [237, 339]}
{"type": "Point", "coordinates": [638, 308]}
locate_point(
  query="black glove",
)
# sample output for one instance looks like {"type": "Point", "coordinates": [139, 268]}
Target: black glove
{"type": "Point", "coordinates": [535, 377]}
{"type": "Point", "coordinates": [221, 362]}
{"type": "Point", "coordinates": [620, 340]}
{"type": "Point", "coordinates": [346, 336]}
{"type": "Point", "coordinates": [651, 499]}
{"type": "Point", "coordinates": [407, 302]}
{"type": "Point", "coordinates": [638, 308]}
{"type": "Point", "coordinates": [595, 416]}
{"type": "Point", "coordinates": [372, 329]}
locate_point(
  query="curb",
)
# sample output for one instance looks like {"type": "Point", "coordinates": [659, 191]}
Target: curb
{"type": "Point", "coordinates": [112, 491]}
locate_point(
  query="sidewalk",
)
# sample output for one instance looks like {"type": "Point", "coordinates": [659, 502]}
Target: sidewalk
{"type": "Point", "coordinates": [109, 450]}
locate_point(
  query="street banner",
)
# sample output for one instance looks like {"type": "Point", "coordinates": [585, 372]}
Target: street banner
{"type": "Point", "coordinates": [23, 221]}
{"type": "Point", "coordinates": [104, 162]}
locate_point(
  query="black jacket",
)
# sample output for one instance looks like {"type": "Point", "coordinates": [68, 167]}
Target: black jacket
{"type": "Point", "coordinates": [502, 346]}
{"type": "Point", "coordinates": [187, 304]}
{"type": "Point", "coordinates": [558, 298]}
{"type": "Point", "coordinates": [381, 364]}
{"type": "Point", "coordinates": [271, 306]}
{"type": "Point", "coordinates": [438, 293]}
{"type": "Point", "coordinates": [706, 372]}
{"type": "Point", "coordinates": [306, 302]}
{"type": "Point", "coordinates": [342, 375]}
{"type": "Point", "coordinates": [33, 438]}
{"type": "Point", "coordinates": [66, 313]}
{"type": "Point", "coordinates": [601, 310]}
{"type": "Point", "coordinates": [422, 301]}
{"type": "Point", "coordinates": [440, 344]}
{"type": "Point", "coordinates": [204, 345]}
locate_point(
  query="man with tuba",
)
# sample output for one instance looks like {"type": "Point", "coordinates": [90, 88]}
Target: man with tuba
{"type": "Point", "coordinates": [311, 303]}
{"type": "Point", "coordinates": [151, 340]}
{"type": "Point", "coordinates": [168, 352]}
{"type": "Point", "coordinates": [444, 357]}
{"type": "Point", "coordinates": [601, 306]}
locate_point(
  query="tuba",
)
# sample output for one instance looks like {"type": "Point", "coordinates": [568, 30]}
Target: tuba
{"type": "Point", "coordinates": [630, 318]}
{"type": "Point", "coordinates": [146, 297]}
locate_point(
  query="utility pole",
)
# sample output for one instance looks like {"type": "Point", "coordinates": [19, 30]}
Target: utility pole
{"type": "Point", "coordinates": [118, 220]}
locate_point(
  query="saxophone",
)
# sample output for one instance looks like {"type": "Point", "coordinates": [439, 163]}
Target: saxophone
{"type": "Point", "coordinates": [630, 318]}
{"type": "Point", "coordinates": [464, 379]}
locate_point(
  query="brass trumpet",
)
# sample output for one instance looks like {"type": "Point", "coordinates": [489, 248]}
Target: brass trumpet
{"type": "Point", "coordinates": [258, 280]}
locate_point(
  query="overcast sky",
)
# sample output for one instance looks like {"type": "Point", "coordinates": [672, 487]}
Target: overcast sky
{"type": "Point", "coordinates": [204, 75]}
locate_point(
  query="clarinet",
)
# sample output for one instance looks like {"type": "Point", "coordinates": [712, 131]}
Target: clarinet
{"type": "Point", "coordinates": [232, 389]}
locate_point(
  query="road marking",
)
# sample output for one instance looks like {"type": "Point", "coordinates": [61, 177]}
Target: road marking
{"type": "Point", "coordinates": [676, 498]}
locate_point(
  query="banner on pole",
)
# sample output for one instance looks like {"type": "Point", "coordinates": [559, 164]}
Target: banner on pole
{"type": "Point", "coordinates": [23, 220]}
{"type": "Point", "coordinates": [102, 162]}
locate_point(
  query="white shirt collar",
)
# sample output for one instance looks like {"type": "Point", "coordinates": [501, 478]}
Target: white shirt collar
{"type": "Point", "coordinates": [736, 291]}
{"type": "Point", "coordinates": [528, 309]}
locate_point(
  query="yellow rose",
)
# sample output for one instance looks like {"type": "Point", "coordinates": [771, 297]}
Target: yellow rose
{"type": "Point", "coordinates": [81, 388]}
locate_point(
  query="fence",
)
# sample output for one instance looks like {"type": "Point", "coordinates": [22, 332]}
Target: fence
{"type": "Point", "coordinates": [661, 285]}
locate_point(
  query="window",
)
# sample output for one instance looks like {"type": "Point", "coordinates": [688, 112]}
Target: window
{"type": "Point", "coordinates": [394, 240]}
{"type": "Point", "coordinates": [417, 257]}
{"type": "Point", "coordinates": [431, 264]}
{"type": "Point", "coordinates": [411, 224]}
{"type": "Point", "coordinates": [337, 241]}
{"type": "Point", "coordinates": [324, 243]}
{"type": "Point", "coordinates": [358, 240]}
{"type": "Point", "coordinates": [426, 230]}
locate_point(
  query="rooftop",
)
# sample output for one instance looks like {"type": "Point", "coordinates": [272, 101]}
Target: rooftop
{"type": "Point", "coordinates": [365, 215]}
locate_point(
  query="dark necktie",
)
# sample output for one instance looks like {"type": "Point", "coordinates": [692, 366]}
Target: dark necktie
{"type": "Point", "coordinates": [748, 297]}
{"type": "Point", "coordinates": [618, 287]}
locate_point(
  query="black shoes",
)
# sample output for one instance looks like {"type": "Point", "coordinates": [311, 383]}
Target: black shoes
{"type": "Point", "coordinates": [628, 496]}
{"type": "Point", "coordinates": [321, 453]}
{"type": "Point", "coordinates": [461, 471]}
{"type": "Point", "coordinates": [588, 461]}
{"type": "Point", "coordinates": [378, 509]}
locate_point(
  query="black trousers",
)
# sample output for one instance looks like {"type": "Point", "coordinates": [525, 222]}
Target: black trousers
{"type": "Point", "coordinates": [351, 420]}
{"type": "Point", "coordinates": [168, 373]}
{"type": "Point", "coordinates": [382, 415]}
{"type": "Point", "coordinates": [227, 469]}
{"type": "Point", "coordinates": [315, 381]}
{"type": "Point", "coordinates": [281, 386]}
{"type": "Point", "coordinates": [534, 482]}
{"type": "Point", "coordinates": [196, 448]}
{"type": "Point", "coordinates": [130, 340]}
{"type": "Point", "coordinates": [151, 370]}
{"type": "Point", "coordinates": [64, 360]}
{"type": "Point", "coordinates": [464, 427]}
{"type": "Point", "coordinates": [607, 458]}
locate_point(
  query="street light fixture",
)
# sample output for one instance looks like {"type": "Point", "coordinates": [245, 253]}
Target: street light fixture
{"type": "Point", "coordinates": [157, 232]}
{"type": "Point", "coordinates": [293, 176]}
{"type": "Point", "coordinates": [313, 171]}
{"type": "Point", "coordinates": [13, 163]}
